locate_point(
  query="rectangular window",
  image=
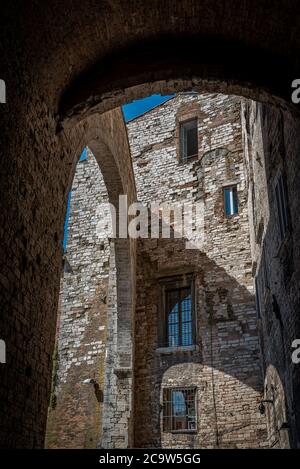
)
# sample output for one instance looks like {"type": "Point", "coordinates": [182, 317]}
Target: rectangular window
{"type": "Point", "coordinates": [189, 139]}
{"type": "Point", "coordinates": [257, 302]}
{"type": "Point", "coordinates": [179, 410]}
{"type": "Point", "coordinates": [281, 206]}
{"type": "Point", "coordinates": [230, 201]}
{"type": "Point", "coordinates": [254, 208]}
{"type": "Point", "coordinates": [176, 325]}
{"type": "Point", "coordinates": [179, 317]}
{"type": "Point", "coordinates": [264, 272]}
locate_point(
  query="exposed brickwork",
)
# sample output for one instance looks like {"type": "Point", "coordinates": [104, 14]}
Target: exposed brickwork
{"type": "Point", "coordinates": [40, 59]}
{"type": "Point", "coordinates": [35, 285]}
{"type": "Point", "coordinates": [74, 416]}
{"type": "Point", "coordinates": [90, 294]}
{"type": "Point", "coordinates": [225, 363]}
{"type": "Point", "coordinates": [272, 144]}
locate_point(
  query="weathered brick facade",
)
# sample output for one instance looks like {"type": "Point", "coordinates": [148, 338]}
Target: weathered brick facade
{"type": "Point", "coordinates": [224, 364]}
{"type": "Point", "coordinates": [112, 52]}
{"type": "Point", "coordinates": [94, 332]}
{"type": "Point", "coordinates": [272, 146]}
{"type": "Point", "coordinates": [76, 409]}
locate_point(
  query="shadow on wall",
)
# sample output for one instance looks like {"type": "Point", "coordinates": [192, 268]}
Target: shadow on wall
{"type": "Point", "coordinates": [88, 308]}
{"type": "Point", "coordinates": [276, 410]}
{"type": "Point", "coordinates": [224, 364]}
{"type": "Point", "coordinates": [277, 273]}
{"type": "Point", "coordinates": [278, 324]}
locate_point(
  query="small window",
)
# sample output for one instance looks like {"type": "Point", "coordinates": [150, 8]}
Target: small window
{"type": "Point", "coordinates": [281, 206]}
{"type": "Point", "coordinates": [257, 301]}
{"type": "Point", "coordinates": [179, 410]}
{"type": "Point", "coordinates": [230, 201]}
{"type": "Point", "coordinates": [264, 272]}
{"type": "Point", "coordinates": [189, 139]}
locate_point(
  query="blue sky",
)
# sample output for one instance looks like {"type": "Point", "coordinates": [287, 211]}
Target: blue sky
{"type": "Point", "coordinates": [139, 106]}
{"type": "Point", "coordinates": [130, 111]}
{"type": "Point", "coordinates": [82, 158]}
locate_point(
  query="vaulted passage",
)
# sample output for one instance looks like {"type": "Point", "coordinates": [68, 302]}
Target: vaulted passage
{"type": "Point", "coordinates": [67, 68]}
{"type": "Point", "coordinates": [207, 330]}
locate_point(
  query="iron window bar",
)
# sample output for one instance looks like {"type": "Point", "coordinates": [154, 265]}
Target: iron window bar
{"type": "Point", "coordinates": [180, 409]}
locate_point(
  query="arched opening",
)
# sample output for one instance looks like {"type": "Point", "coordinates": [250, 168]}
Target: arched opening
{"type": "Point", "coordinates": [96, 297]}
{"type": "Point", "coordinates": [232, 155]}
{"type": "Point", "coordinates": [39, 166]}
{"type": "Point", "coordinates": [86, 304]}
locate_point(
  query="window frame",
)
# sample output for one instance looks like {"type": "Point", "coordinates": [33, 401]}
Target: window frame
{"type": "Point", "coordinates": [166, 285]}
{"type": "Point", "coordinates": [169, 419]}
{"type": "Point", "coordinates": [257, 298]}
{"type": "Point", "coordinates": [263, 279]}
{"type": "Point", "coordinates": [231, 186]}
{"type": "Point", "coordinates": [184, 158]}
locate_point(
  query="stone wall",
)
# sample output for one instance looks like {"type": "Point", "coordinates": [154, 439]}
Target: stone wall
{"type": "Point", "coordinates": [272, 145]}
{"type": "Point", "coordinates": [95, 305]}
{"type": "Point", "coordinates": [224, 363]}
{"type": "Point", "coordinates": [246, 149]}
{"type": "Point", "coordinates": [74, 419]}
{"type": "Point", "coordinates": [40, 60]}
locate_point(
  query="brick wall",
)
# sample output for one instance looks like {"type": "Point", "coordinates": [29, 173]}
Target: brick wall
{"type": "Point", "coordinates": [272, 145]}
{"type": "Point", "coordinates": [40, 61]}
{"type": "Point", "coordinates": [74, 419]}
{"type": "Point", "coordinates": [107, 138]}
{"type": "Point", "coordinates": [224, 364]}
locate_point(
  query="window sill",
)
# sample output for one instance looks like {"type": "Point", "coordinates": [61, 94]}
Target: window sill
{"type": "Point", "coordinates": [186, 348]}
{"type": "Point", "coordinates": [190, 159]}
{"type": "Point", "coordinates": [181, 432]}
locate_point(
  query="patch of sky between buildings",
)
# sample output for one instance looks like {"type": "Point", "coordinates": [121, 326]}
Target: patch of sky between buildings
{"type": "Point", "coordinates": [83, 157]}
{"type": "Point", "coordinates": [140, 106]}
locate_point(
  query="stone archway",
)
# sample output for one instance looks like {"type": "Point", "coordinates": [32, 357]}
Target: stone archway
{"type": "Point", "coordinates": [41, 265]}
{"type": "Point", "coordinates": [57, 74]}
{"type": "Point", "coordinates": [106, 136]}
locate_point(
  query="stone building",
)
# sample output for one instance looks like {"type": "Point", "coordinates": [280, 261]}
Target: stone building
{"type": "Point", "coordinates": [196, 378]}
{"type": "Point", "coordinates": [75, 408]}
{"type": "Point", "coordinates": [271, 142]}
{"type": "Point", "coordinates": [67, 67]}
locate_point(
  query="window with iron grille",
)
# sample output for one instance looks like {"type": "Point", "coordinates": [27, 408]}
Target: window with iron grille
{"type": "Point", "coordinates": [281, 203]}
{"type": "Point", "coordinates": [179, 409]}
{"type": "Point", "coordinates": [189, 139]}
{"type": "Point", "coordinates": [177, 323]}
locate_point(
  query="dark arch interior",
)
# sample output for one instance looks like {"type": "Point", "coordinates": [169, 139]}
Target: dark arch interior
{"type": "Point", "coordinates": [173, 62]}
